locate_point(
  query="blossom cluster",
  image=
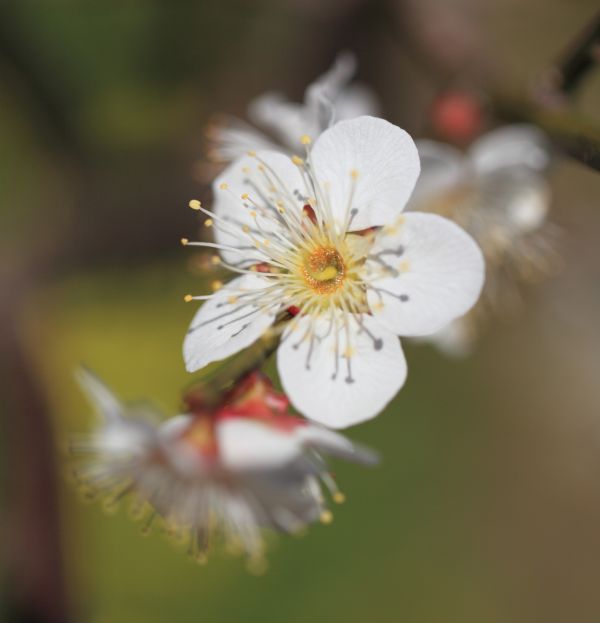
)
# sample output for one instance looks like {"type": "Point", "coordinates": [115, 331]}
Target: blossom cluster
{"type": "Point", "coordinates": [342, 235]}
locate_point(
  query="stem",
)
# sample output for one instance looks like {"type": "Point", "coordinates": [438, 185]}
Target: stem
{"type": "Point", "coordinates": [208, 392]}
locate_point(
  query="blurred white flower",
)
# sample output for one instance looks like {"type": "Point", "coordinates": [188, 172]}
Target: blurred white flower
{"type": "Point", "coordinates": [499, 194]}
{"type": "Point", "coordinates": [324, 239]}
{"type": "Point", "coordinates": [279, 123]}
{"type": "Point", "coordinates": [226, 473]}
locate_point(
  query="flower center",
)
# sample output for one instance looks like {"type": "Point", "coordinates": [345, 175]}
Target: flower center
{"type": "Point", "coordinates": [324, 270]}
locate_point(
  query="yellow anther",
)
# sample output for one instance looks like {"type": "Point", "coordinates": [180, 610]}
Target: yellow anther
{"type": "Point", "coordinates": [245, 196]}
{"type": "Point", "coordinates": [348, 352]}
{"type": "Point", "coordinates": [245, 228]}
{"type": "Point", "coordinates": [252, 154]}
{"type": "Point", "coordinates": [404, 266]}
{"type": "Point", "coordinates": [224, 186]}
{"type": "Point", "coordinates": [245, 169]}
{"type": "Point", "coordinates": [184, 241]}
{"type": "Point", "coordinates": [280, 210]}
{"type": "Point", "coordinates": [253, 214]}
{"type": "Point", "coordinates": [261, 167]}
{"type": "Point", "coordinates": [297, 160]}
{"type": "Point", "coordinates": [354, 174]}
{"type": "Point", "coordinates": [339, 497]}
{"type": "Point", "coordinates": [215, 259]}
{"type": "Point", "coordinates": [266, 242]}
{"type": "Point", "coordinates": [188, 297]}
{"type": "Point", "coordinates": [208, 222]}
{"type": "Point", "coordinates": [326, 517]}
{"type": "Point", "coordinates": [216, 285]}
{"type": "Point", "coordinates": [195, 204]}
{"type": "Point", "coordinates": [305, 139]}
{"type": "Point", "coordinates": [232, 300]}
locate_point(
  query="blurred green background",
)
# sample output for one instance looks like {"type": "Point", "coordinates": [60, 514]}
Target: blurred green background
{"type": "Point", "coordinates": [487, 504]}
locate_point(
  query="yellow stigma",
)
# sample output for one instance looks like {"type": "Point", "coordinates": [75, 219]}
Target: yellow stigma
{"type": "Point", "coordinates": [195, 204]}
{"type": "Point", "coordinates": [324, 270]}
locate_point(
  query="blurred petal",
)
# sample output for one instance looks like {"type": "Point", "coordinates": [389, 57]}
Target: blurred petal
{"type": "Point", "coordinates": [246, 444]}
{"type": "Point", "coordinates": [368, 163]}
{"type": "Point", "coordinates": [106, 404]}
{"type": "Point", "coordinates": [336, 382]}
{"type": "Point", "coordinates": [435, 273]}
{"type": "Point", "coordinates": [328, 441]}
{"type": "Point", "coordinates": [356, 100]}
{"type": "Point", "coordinates": [512, 145]}
{"type": "Point", "coordinates": [523, 195]}
{"type": "Point", "coordinates": [454, 340]}
{"type": "Point", "coordinates": [287, 120]}
{"type": "Point", "coordinates": [234, 138]}
{"type": "Point", "coordinates": [442, 166]}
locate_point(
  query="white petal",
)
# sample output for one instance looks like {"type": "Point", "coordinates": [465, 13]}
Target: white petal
{"type": "Point", "coordinates": [376, 159]}
{"type": "Point", "coordinates": [435, 272]}
{"type": "Point", "coordinates": [442, 166]}
{"type": "Point", "coordinates": [512, 145]}
{"type": "Point", "coordinates": [246, 444]}
{"type": "Point", "coordinates": [263, 177]}
{"type": "Point", "coordinates": [338, 384]}
{"type": "Point", "coordinates": [227, 323]}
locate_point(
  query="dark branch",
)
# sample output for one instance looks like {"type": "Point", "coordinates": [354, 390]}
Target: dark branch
{"type": "Point", "coordinates": [579, 58]}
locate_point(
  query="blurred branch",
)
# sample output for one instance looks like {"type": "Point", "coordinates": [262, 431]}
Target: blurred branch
{"type": "Point", "coordinates": [35, 566]}
{"type": "Point", "coordinates": [548, 106]}
{"type": "Point", "coordinates": [567, 74]}
{"type": "Point", "coordinates": [576, 136]}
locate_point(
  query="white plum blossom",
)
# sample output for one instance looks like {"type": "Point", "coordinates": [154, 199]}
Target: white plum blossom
{"type": "Point", "coordinates": [323, 240]}
{"type": "Point", "coordinates": [225, 474]}
{"type": "Point", "coordinates": [332, 97]}
{"type": "Point", "coordinates": [499, 194]}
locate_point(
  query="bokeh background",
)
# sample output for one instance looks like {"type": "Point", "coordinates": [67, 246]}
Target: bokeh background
{"type": "Point", "coordinates": [486, 507]}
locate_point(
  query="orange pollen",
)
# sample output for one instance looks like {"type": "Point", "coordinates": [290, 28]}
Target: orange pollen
{"type": "Point", "coordinates": [324, 270]}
